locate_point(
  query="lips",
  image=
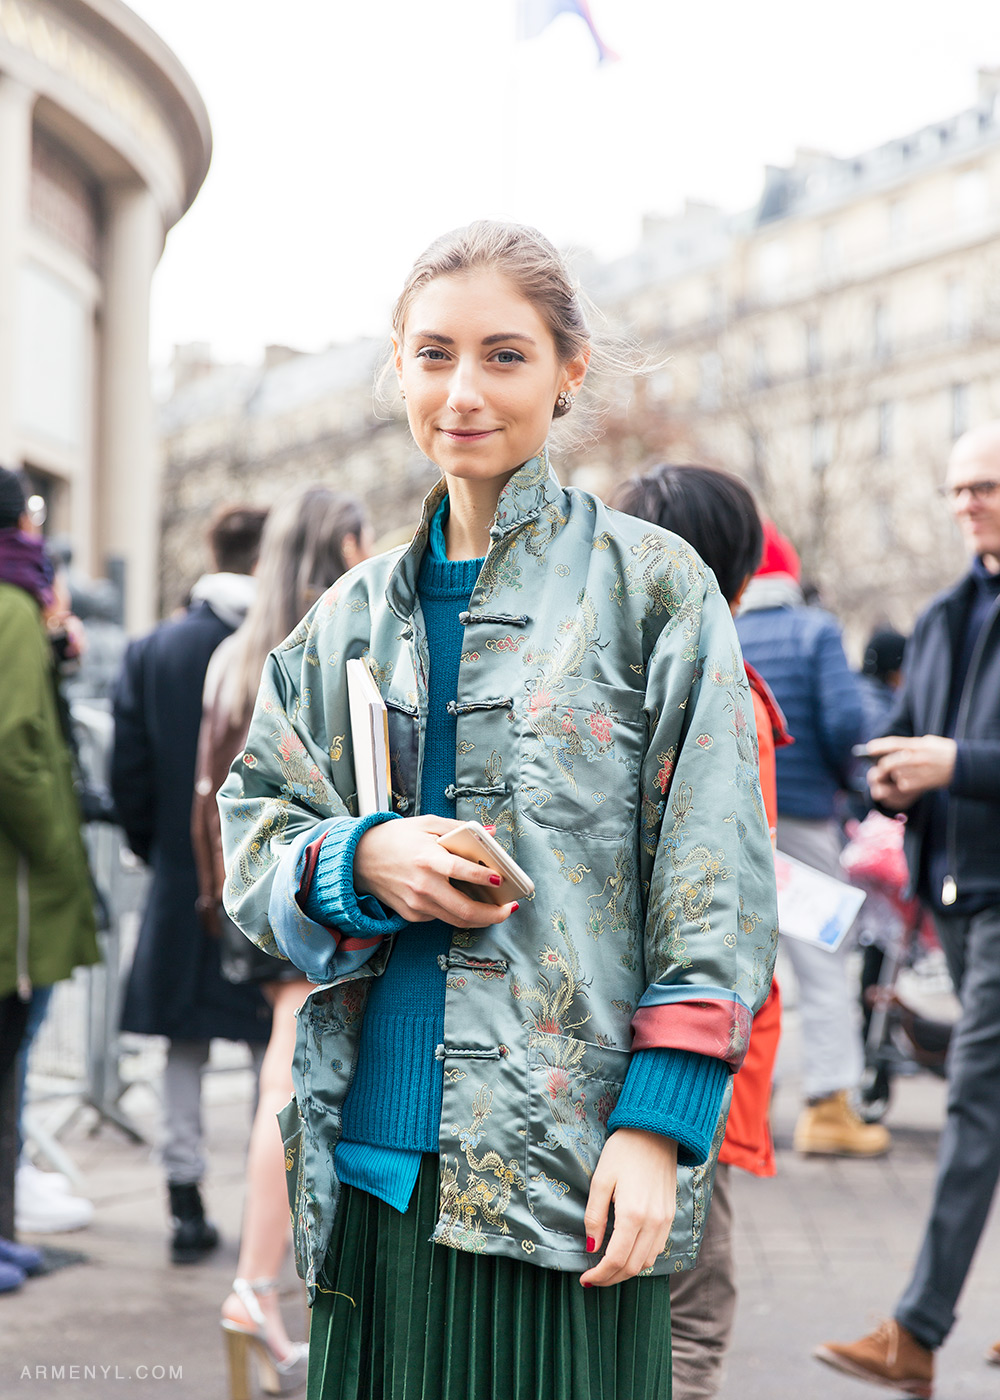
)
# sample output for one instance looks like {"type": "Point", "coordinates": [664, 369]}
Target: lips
{"type": "Point", "coordinates": [468, 434]}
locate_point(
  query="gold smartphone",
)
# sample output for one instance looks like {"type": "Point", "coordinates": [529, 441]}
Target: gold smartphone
{"type": "Point", "coordinates": [473, 842]}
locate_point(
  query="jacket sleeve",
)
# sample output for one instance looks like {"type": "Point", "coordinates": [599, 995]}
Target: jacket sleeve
{"type": "Point", "coordinates": [28, 790]}
{"type": "Point", "coordinates": [977, 770]}
{"type": "Point", "coordinates": [277, 806]}
{"type": "Point", "coordinates": [133, 785]}
{"type": "Point", "coordinates": [711, 921]}
{"type": "Point", "coordinates": [839, 706]}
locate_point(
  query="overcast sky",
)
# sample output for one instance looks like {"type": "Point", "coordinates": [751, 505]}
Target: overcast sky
{"type": "Point", "coordinates": [347, 135]}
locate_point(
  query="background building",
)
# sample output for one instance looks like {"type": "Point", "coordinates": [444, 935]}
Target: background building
{"type": "Point", "coordinates": [236, 433]}
{"type": "Point", "coordinates": [829, 345]}
{"type": "Point", "coordinates": [104, 143]}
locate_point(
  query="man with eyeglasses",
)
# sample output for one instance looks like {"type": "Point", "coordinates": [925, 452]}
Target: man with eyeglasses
{"type": "Point", "coordinates": [940, 763]}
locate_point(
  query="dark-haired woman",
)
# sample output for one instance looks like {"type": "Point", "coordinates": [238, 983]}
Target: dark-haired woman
{"type": "Point", "coordinates": [716, 514]}
{"type": "Point", "coordinates": [475, 1085]}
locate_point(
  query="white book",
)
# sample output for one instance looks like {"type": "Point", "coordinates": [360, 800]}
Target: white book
{"type": "Point", "coordinates": [369, 739]}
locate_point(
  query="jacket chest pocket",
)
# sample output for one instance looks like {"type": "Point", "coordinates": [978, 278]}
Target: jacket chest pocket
{"type": "Point", "coordinates": [573, 1086]}
{"type": "Point", "coordinates": [580, 758]}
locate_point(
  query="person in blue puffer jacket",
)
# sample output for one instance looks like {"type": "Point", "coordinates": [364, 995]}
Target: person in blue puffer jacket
{"type": "Point", "coordinates": [799, 652]}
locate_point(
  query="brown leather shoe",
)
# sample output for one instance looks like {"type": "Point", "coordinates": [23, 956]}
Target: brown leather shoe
{"type": "Point", "coordinates": [890, 1356]}
{"type": "Point", "coordinates": [831, 1128]}
{"type": "Point", "coordinates": [993, 1355]}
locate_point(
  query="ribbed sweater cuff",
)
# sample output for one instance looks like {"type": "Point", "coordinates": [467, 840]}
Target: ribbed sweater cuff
{"type": "Point", "coordinates": [676, 1093]}
{"type": "Point", "coordinates": [331, 899]}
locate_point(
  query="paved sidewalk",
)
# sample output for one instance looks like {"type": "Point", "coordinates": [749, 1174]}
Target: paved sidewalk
{"type": "Point", "coordinates": [823, 1250]}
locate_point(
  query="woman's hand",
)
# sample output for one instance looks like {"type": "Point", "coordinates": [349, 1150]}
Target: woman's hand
{"type": "Point", "coordinates": [638, 1171]}
{"type": "Point", "coordinates": [402, 865]}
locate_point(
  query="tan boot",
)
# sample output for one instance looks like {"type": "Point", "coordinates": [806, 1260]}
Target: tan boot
{"type": "Point", "coordinates": [891, 1357]}
{"type": "Point", "coordinates": [993, 1355]}
{"type": "Point", "coordinates": [832, 1128]}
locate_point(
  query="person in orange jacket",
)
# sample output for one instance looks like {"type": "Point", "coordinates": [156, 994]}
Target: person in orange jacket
{"type": "Point", "coordinates": [716, 514]}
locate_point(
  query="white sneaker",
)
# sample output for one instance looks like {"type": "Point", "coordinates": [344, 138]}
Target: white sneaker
{"type": "Point", "coordinates": [54, 1182]}
{"type": "Point", "coordinates": [40, 1210]}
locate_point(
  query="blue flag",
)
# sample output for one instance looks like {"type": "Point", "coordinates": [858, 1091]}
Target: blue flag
{"type": "Point", "coordinates": [536, 15]}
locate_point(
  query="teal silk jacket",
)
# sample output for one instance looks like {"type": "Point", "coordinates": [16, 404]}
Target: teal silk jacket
{"type": "Point", "coordinates": [605, 727]}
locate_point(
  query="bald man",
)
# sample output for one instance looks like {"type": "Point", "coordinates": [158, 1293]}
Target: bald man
{"type": "Point", "coordinates": [940, 763]}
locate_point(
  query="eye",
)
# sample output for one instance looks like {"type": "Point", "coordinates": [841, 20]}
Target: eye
{"type": "Point", "coordinates": [431, 352]}
{"type": "Point", "coordinates": [508, 357]}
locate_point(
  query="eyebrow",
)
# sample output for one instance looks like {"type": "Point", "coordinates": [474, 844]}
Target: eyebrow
{"type": "Point", "coordinates": [487, 339]}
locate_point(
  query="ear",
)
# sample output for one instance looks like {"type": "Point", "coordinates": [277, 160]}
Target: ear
{"type": "Point", "coordinates": [737, 597]}
{"type": "Point", "coordinates": [397, 359]}
{"type": "Point", "coordinates": [575, 371]}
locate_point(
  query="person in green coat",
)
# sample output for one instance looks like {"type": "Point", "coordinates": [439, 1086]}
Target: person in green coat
{"type": "Point", "coordinates": [47, 924]}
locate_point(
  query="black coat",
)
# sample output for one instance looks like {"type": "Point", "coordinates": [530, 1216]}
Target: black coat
{"type": "Point", "coordinates": [175, 987]}
{"type": "Point", "coordinates": [973, 814]}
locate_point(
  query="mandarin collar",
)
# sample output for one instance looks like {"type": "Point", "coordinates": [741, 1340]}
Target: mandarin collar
{"type": "Point", "coordinates": [532, 488]}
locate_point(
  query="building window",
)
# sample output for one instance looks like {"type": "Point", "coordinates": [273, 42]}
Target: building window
{"type": "Point", "coordinates": [63, 203]}
{"type": "Point", "coordinates": [881, 338]}
{"type": "Point", "coordinates": [972, 196]}
{"type": "Point", "coordinates": [819, 444]}
{"type": "Point", "coordinates": [772, 266]}
{"type": "Point", "coordinates": [884, 438]}
{"type": "Point", "coordinates": [829, 248]}
{"type": "Point", "coordinates": [897, 220]}
{"type": "Point", "coordinates": [959, 410]}
{"type": "Point", "coordinates": [957, 308]}
{"type": "Point", "coordinates": [814, 354]}
{"type": "Point", "coordinates": [710, 385]}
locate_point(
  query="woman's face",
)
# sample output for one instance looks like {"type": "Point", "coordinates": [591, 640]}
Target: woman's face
{"type": "Point", "coordinates": [479, 369]}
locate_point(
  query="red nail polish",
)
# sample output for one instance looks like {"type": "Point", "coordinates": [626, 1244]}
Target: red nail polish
{"type": "Point", "coordinates": [588, 1285]}
{"type": "Point", "coordinates": [496, 879]}
{"type": "Point", "coordinates": [514, 908]}
{"type": "Point", "coordinates": [591, 1246]}
{"type": "Point", "coordinates": [489, 828]}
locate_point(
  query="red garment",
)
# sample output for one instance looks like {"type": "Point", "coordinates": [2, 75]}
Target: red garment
{"type": "Point", "coordinates": [747, 1143]}
{"type": "Point", "coordinates": [780, 555]}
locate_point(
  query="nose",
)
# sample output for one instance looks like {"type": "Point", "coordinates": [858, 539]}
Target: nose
{"type": "Point", "coordinates": [464, 391]}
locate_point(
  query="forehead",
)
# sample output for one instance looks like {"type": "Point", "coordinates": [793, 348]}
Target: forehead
{"type": "Point", "coordinates": [975, 459]}
{"type": "Point", "coordinates": [474, 304]}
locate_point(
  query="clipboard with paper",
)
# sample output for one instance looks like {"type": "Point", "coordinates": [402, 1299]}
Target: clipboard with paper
{"type": "Point", "coordinates": [814, 907]}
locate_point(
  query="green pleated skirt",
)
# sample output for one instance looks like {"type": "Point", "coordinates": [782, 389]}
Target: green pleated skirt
{"type": "Point", "coordinates": [398, 1318]}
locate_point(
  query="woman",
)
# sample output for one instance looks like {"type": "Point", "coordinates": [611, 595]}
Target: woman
{"type": "Point", "coordinates": [489, 1077]}
{"type": "Point", "coordinates": [311, 537]}
{"type": "Point", "coordinates": [717, 515]}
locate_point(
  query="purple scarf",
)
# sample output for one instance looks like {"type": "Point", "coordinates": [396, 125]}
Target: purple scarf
{"type": "Point", "coordinates": [23, 562]}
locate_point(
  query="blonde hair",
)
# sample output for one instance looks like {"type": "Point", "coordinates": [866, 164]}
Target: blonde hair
{"type": "Point", "coordinates": [301, 555]}
{"type": "Point", "coordinates": [538, 273]}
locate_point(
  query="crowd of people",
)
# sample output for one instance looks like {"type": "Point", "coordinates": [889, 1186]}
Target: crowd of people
{"type": "Point", "coordinates": [482, 1106]}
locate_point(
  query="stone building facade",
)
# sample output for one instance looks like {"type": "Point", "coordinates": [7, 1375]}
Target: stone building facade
{"type": "Point", "coordinates": [104, 143]}
{"type": "Point", "coordinates": [830, 344]}
{"type": "Point", "coordinates": [232, 434]}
